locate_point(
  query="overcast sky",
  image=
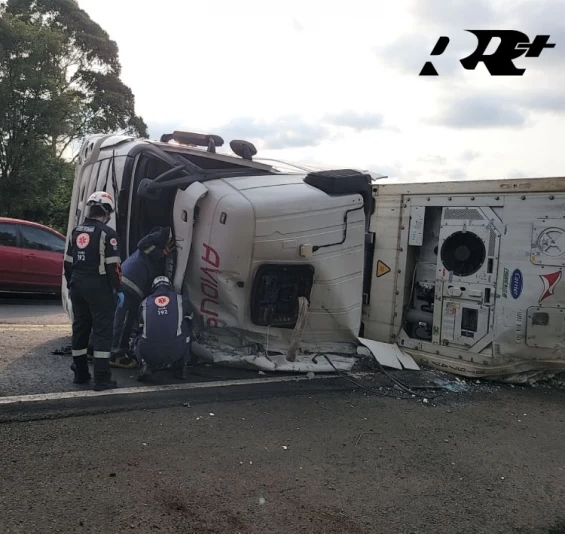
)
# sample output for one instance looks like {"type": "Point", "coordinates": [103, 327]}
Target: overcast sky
{"type": "Point", "coordinates": [337, 82]}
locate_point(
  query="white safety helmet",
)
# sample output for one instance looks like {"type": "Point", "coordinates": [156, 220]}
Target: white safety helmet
{"type": "Point", "coordinates": [103, 199]}
{"type": "Point", "coordinates": [161, 281]}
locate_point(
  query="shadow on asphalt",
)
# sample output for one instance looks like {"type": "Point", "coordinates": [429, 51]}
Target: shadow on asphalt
{"type": "Point", "coordinates": [40, 371]}
{"type": "Point", "coordinates": [31, 299]}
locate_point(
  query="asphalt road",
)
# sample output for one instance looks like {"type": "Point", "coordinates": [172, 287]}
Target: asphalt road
{"type": "Point", "coordinates": [31, 310]}
{"type": "Point", "coordinates": [329, 463]}
{"type": "Point", "coordinates": [310, 456]}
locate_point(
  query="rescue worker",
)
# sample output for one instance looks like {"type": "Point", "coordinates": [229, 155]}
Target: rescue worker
{"type": "Point", "coordinates": [138, 271]}
{"type": "Point", "coordinates": [92, 272]}
{"type": "Point", "coordinates": [165, 338]}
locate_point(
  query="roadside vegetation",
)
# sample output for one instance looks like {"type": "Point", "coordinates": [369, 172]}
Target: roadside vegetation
{"type": "Point", "coordinates": [59, 81]}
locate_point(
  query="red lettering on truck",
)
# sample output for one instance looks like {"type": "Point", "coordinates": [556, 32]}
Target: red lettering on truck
{"type": "Point", "coordinates": [209, 285]}
{"type": "Point", "coordinates": [208, 259]}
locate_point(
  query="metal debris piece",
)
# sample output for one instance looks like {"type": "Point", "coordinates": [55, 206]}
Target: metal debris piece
{"type": "Point", "coordinates": [65, 350]}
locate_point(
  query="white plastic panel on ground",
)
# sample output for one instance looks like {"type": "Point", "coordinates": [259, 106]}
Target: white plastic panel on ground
{"type": "Point", "coordinates": [389, 355]}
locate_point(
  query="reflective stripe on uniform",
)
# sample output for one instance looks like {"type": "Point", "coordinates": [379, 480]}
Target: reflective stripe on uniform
{"type": "Point", "coordinates": [102, 354]}
{"type": "Point", "coordinates": [149, 250]}
{"type": "Point", "coordinates": [144, 318]}
{"type": "Point", "coordinates": [181, 318]}
{"type": "Point", "coordinates": [102, 269]}
{"type": "Point", "coordinates": [69, 259]}
{"type": "Point", "coordinates": [112, 259]}
{"type": "Point", "coordinates": [188, 339]}
{"type": "Point", "coordinates": [80, 352]}
{"type": "Point", "coordinates": [133, 286]}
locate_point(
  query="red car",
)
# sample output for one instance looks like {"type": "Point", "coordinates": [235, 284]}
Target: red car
{"type": "Point", "coordinates": [31, 257]}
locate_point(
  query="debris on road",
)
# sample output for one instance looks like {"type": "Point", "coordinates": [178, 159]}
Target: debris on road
{"type": "Point", "coordinates": [359, 438]}
{"type": "Point", "coordinates": [65, 350]}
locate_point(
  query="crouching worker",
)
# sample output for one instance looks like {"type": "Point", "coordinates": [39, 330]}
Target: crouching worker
{"type": "Point", "coordinates": [138, 271]}
{"type": "Point", "coordinates": [92, 272]}
{"type": "Point", "coordinates": [166, 323]}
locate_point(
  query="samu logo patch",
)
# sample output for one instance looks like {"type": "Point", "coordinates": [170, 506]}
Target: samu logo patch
{"type": "Point", "coordinates": [82, 241]}
{"type": "Point", "coordinates": [162, 301]}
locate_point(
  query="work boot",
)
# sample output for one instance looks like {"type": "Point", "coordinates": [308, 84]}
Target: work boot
{"type": "Point", "coordinates": [180, 371]}
{"type": "Point", "coordinates": [80, 369]}
{"type": "Point", "coordinates": [144, 373]}
{"type": "Point", "coordinates": [103, 375]}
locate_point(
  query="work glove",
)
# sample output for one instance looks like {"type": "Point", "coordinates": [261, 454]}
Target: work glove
{"type": "Point", "coordinates": [120, 296]}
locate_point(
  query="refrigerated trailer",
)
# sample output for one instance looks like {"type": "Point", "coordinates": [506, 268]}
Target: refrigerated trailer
{"type": "Point", "coordinates": [295, 268]}
{"type": "Point", "coordinates": [468, 275]}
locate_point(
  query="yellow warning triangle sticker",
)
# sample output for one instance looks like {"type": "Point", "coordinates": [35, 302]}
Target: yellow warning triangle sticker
{"type": "Point", "coordinates": [382, 269]}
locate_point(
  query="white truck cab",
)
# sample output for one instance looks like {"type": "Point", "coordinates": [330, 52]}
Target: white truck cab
{"type": "Point", "coordinates": [252, 238]}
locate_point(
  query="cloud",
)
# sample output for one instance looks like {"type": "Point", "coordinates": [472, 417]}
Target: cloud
{"type": "Point", "coordinates": [289, 131]}
{"type": "Point", "coordinates": [456, 174]}
{"type": "Point", "coordinates": [433, 160]}
{"type": "Point", "coordinates": [543, 101]}
{"type": "Point", "coordinates": [453, 18]}
{"type": "Point", "coordinates": [296, 25]}
{"type": "Point", "coordinates": [542, 18]}
{"type": "Point", "coordinates": [454, 13]}
{"type": "Point", "coordinates": [410, 52]}
{"type": "Point", "coordinates": [480, 111]}
{"type": "Point", "coordinates": [158, 128]}
{"type": "Point", "coordinates": [391, 171]}
{"type": "Point", "coordinates": [475, 110]}
{"type": "Point", "coordinates": [357, 121]}
{"type": "Point", "coordinates": [292, 131]}
{"type": "Point", "coordinates": [517, 174]}
{"type": "Point", "coordinates": [470, 155]}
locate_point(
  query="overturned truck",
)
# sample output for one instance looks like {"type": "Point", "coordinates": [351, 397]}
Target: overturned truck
{"type": "Point", "coordinates": [294, 268]}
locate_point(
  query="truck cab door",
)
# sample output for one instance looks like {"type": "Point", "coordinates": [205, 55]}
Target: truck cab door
{"type": "Point", "coordinates": [183, 222]}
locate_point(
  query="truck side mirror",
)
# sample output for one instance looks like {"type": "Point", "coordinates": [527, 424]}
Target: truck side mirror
{"type": "Point", "coordinates": [243, 149]}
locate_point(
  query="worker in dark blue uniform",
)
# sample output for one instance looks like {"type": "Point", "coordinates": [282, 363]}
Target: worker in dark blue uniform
{"type": "Point", "coordinates": [92, 272]}
{"type": "Point", "coordinates": [165, 338]}
{"type": "Point", "coordinates": [138, 271]}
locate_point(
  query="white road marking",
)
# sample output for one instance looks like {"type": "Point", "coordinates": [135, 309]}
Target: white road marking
{"type": "Point", "coordinates": [42, 397]}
